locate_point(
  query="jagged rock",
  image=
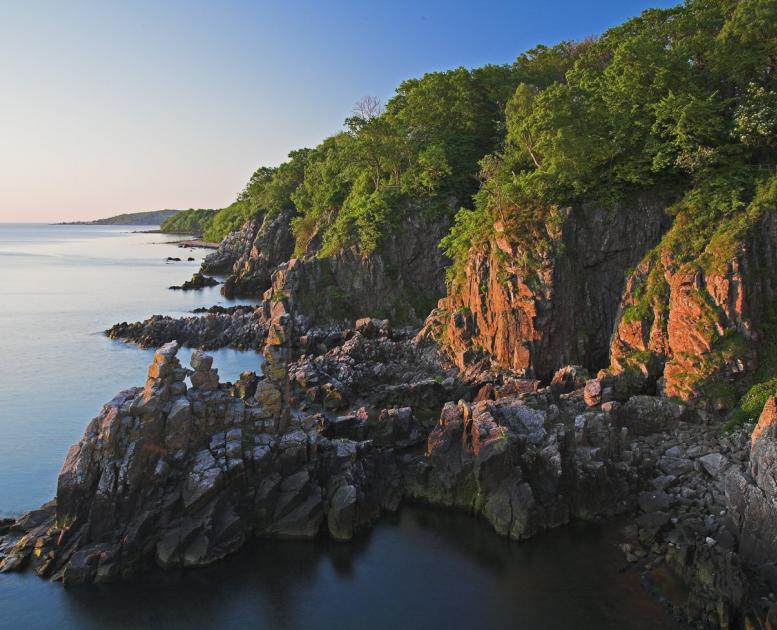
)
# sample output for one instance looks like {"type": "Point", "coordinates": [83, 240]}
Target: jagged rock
{"type": "Point", "coordinates": [242, 328]}
{"type": "Point", "coordinates": [497, 458]}
{"type": "Point", "coordinates": [568, 379]}
{"type": "Point", "coordinates": [402, 280]}
{"type": "Point", "coordinates": [592, 394]}
{"type": "Point", "coordinates": [260, 246]}
{"type": "Point", "coordinates": [201, 361]}
{"type": "Point", "coordinates": [229, 250]}
{"type": "Point", "coordinates": [370, 327]}
{"type": "Point", "coordinates": [714, 463]}
{"type": "Point", "coordinates": [198, 281]}
{"type": "Point", "coordinates": [767, 421]}
{"type": "Point", "coordinates": [643, 415]}
{"type": "Point", "coordinates": [342, 509]}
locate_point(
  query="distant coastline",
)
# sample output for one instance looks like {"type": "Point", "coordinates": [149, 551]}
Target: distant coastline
{"type": "Point", "coordinates": [153, 217]}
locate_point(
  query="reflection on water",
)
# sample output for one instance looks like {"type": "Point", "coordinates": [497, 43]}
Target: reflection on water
{"type": "Point", "coordinates": [422, 569]}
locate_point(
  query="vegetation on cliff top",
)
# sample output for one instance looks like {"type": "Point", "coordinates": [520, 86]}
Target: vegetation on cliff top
{"type": "Point", "coordinates": [418, 153]}
{"type": "Point", "coordinates": [192, 221]}
{"type": "Point", "coordinates": [683, 97]}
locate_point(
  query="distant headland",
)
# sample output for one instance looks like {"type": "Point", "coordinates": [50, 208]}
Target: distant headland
{"type": "Point", "coordinates": [153, 217]}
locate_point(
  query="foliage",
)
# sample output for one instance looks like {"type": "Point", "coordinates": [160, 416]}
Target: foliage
{"type": "Point", "coordinates": [188, 222]}
{"type": "Point", "coordinates": [764, 381]}
{"type": "Point", "coordinates": [227, 220]}
{"type": "Point", "coordinates": [683, 97]}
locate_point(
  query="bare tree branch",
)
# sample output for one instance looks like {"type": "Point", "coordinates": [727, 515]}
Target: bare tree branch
{"type": "Point", "coordinates": [368, 107]}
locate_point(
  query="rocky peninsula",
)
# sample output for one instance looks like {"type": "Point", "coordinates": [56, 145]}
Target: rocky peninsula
{"type": "Point", "coordinates": [535, 293]}
{"type": "Point", "coordinates": [346, 424]}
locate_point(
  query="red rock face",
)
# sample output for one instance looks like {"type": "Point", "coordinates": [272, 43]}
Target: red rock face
{"type": "Point", "coordinates": [703, 325]}
{"type": "Point", "coordinates": [558, 310]}
{"type": "Point", "coordinates": [767, 422]}
{"type": "Point", "coordinates": [495, 318]}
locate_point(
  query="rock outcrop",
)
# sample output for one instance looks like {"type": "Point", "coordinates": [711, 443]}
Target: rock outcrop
{"type": "Point", "coordinates": [560, 307]}
{"type": "Point", "coordinates": [346, 424]}
{"type": "Point", "coordinates": [240, 327]}
{"type": "Point", "coordinates": [198, 281]}
{"type": "Point", "coordinates": [751, 497]}
{"type": "Point", "coordinates": [182, 476]}
{"type": "Point", "coordinates": [524, 464]}
{"type": "Point", "coordinates": [264, 244]}
{"type": "Point", "coordinates": [701, 324]}
{"type": "Point", "coordinates": [400, 281]}
{"type": "Point", "coordinates": [230, 249]}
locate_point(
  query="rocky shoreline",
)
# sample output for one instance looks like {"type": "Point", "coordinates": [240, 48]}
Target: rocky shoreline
{"type": "Point", "coordinates": [346, 424]}
{"type": "Point", "coordinates": [240, 328]}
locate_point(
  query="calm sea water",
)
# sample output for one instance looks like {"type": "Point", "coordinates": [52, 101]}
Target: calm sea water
{"type": "Point", "coordinates": [60, 286]}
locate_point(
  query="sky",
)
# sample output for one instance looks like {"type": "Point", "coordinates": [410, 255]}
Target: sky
{"type": "Point", "coordinates": [112, 106]}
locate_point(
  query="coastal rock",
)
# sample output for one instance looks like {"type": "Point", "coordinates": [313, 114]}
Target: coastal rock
{"type": "Point", "coordinates": [568, 379]}
{"type": "Point", "coordinates": [751, 498]}
{"type": "Point", "coordinates": [229, 250]}
{"type": "Point", "coordinates": [170, 473]}
{"type": "Point", "coordinates": [198, 281]}
{"type": "Point", "coordinates": [767, 421]}
{"type": "Point", "coordinates": [400, 281]}
{"type": "Point", "coordinates": [242, 328]}
{"type": "Point", "coordinates": [263, 244]}
{"type": "Point", "coordinates": [498, 458]}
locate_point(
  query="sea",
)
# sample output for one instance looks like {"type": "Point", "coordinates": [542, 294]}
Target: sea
{"type": "Point", "coordinates": [61, 287]}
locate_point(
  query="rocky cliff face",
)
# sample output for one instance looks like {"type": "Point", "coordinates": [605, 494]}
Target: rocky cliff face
{"type": "Point", "coordinates": [400, 281]}
{"type": "Point", "coordinates": [249, 256]}
{"type": "Point", "coordinates": [701, 324]}
{"type": "Point", "coordinates": [751, 497]}
{"type": "Point", "coordinates": [229, 250]}
{"type": "Point", "coordinates": [562, 308]}
{"type": "Point", "coordinates": [266, 244]}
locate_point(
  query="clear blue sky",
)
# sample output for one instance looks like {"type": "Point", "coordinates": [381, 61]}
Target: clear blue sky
{"type": "Point", "coordinates": [111, 106]}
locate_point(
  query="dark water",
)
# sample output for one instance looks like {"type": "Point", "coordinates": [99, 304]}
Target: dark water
{"type": "Point", "coordinates": [422, 569]}
{"type": "Point", "coordinates": [59, 287]}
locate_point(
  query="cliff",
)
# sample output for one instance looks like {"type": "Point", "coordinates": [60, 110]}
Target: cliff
{"type": "Point", "coordinates": [701, 324]}
{"type": "Point", "coordinates": [264, 244]}
{"type": "Point", "coordinates": [400, 280]}
{"type": "Point", "coordinates": [534, 307]}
